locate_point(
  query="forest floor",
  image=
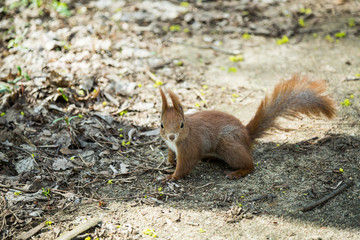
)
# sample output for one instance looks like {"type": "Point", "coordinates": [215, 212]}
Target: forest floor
{"type": "Point", "coordinates": [80, 111]}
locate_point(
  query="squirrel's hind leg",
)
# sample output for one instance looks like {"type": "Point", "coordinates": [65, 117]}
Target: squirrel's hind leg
{"type": "Point", "coordinates": [238, 157]}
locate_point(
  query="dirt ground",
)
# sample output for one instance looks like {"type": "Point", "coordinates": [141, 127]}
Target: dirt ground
{"type": "Point", "coordinates": [108, 164]}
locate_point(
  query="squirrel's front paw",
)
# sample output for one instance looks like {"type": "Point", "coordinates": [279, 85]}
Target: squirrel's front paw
{"type": "Point", "coordinates": [170, 178]}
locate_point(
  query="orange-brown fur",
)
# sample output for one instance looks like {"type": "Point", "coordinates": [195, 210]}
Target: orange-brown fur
{"type": "Point", "coordinates": [216, 134]}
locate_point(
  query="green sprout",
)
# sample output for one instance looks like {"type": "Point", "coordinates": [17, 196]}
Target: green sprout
{"type": "Point", "coordinates": [306, 11]}
{"type": "Point", "coordinates": [202, 230]}
{"type": "Point", "coordinates": [351, 22]}
{"type": "Point", "coordinates": [282, 40]}
{"type": "Point", "coordinates": [2, 114]}
{"type": "Point", "coordinates": [61, 90]}
{"type": "Point", "coordinates": [61, 7]}
{"type": "Point", "coordinates": [67, 120]}
{"type": "Point", "coordinates": [17, 193]}
{"type": "Point", "coordinates": [340, 35]}
{"type": "Point", "coordinates": [150, 232]}
{"type": "Point", "coordinates": [161, 193]}
{"type": "Point", "coordinates": [232, 69]}
{"type": "Point", "coordinates": [48, 223]}
{"type": "Point", "coordinates": [301, 22]}
{"type": "Point", "coordinates": [246, 36]}
{"type": "Point", "coordinates": [341, 170]}
{"type": "Point", "coordinates": [110, 182]}
{"type": "Point", "coordinates": [158, 83]}
{"type": "Point", "coordinates": [184, 4]}
{"type": "Point", "coordinates": [123, 143]}
{"type": "Point", "coordinates": [236, 58]}
{"type": "Point", "coordinates": [46, 193]}
{"type": "Point", "coordinates": [21, 76]}
{"type": "Point", "coordinates": [329, 38]}
{"type": "Point", "coordinates": [123, 113]}
{"type": "Point", "coordinates": [346, 102]}
{"type": "Point", "coordinates": [175, 28]}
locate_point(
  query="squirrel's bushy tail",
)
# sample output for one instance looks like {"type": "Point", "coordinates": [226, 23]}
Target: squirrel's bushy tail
{"type": "Point", "coordinates": [291, 99]}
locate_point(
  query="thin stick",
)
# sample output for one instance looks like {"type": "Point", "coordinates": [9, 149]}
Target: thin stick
{"type": "Point", "coordinates": [31, 232]}
{"type": "Point", "coordinates": [80, 229]}
{"type": "Point", "coordinates": [313, 205]}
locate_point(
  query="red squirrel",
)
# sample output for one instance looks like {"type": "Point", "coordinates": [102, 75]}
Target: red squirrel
{"type": "Point", "coordinates": [212, 133]}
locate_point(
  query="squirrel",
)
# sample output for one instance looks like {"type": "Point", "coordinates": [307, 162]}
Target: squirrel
{"type": "Point", "coordinates": [213, 133]}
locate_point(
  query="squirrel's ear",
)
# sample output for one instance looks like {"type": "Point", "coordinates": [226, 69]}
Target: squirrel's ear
{"type": "Point", "coordinates": [164, 101]}
{"type": "Point", "coordinates": [176, 102]}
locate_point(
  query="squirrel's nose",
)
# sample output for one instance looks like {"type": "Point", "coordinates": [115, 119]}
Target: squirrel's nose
{"type": "Point", "coordinates": [172, 137]}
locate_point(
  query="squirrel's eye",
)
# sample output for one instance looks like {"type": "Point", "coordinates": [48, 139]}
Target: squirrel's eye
{"type": "Point", "coordinates": [162, 126]}
{"type": "Point", "coordinates": [182, 125]}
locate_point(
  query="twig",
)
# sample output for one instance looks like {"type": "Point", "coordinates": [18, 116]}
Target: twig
{"type": "Point", "coordinates": [351, 79]}
{"type": "Point", "coordinates": [205, 185]}
{"type": "Point", "coordinates": [16, 188]}
{"type": "Point", "coordinates": [345, 185]}
{"type": "Point", "coordinates": [80, 229]}
{"type": "Point", "coordinates": [31, 232]}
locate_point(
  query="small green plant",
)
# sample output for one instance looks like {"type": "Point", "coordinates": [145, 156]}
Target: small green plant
{"type": "Point", "coordinates": [2, 114]}
{"type": "Point", "coordinates": [301, 22]}
{"type": "Point", "coordinates": [67, 120]}
{"type": "Point", "coordinates": [150, 232]}
{"type": "Point", "coordinates": [123, 143]}
{"type": "Point", "coordinates": [175, 28]}
{"type": "Point", "coordinates": [123, 113]}
{"type": "Point", "coordinates": [246, 36]}
{"type": "Point", "coordinates": [306, 11]}
{"type": "Point", "coordinates": [340, 35]}
{"type": "Point", "coordinates": [232, 69]}
{"type": "Point", "coordinates": [282, 40]}
{"type": "Point", "coordinates": [329, 38]}
{"type": "Point", "coordinates": [61, 90]}
{"type": "Point", "coordinates": [201, 230]}
{"type": "Point", "coordinates": [49, 223]}
{"type": "Point", "coordinates": [17, 193]}
{"type": "Point", "coordinates": [46, 193]}
{"type": "Point", "coordinates": [61, 7]}
{"type": "Point", "coordinates": [236, 58]}
{"type": "Point", "coordinates": [161, 193]}
{"type": "Point", "coordinates": [351, 22]}
{"type": "Point", "coordinates": [21, 76]}
{"type": "Point", "coordinates": [110, 181]}
{"type": "Point", "coordinates": [346, 102]}
{"type": "Point", "coordinates": [184, 4]}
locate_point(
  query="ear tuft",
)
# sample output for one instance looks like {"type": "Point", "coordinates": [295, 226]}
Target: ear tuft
{"type": "Point", "coordinates": [176, 102]}
{"type": "Point", "coordinates": [165, 105]}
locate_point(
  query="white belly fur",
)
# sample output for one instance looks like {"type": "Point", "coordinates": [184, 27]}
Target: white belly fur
{"type": "Point", "coordinates": [172, 146]}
